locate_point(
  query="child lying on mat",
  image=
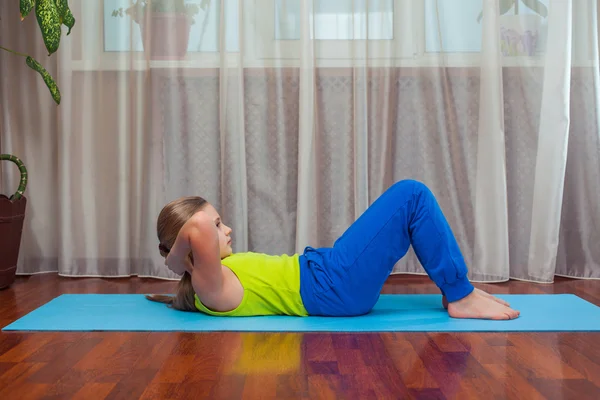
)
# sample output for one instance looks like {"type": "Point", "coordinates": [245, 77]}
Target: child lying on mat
{"type": "Point", "coordinates": [343, 280]}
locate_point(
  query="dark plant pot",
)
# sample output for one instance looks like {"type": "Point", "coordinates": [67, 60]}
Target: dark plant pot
{"type": "Point", "coordinates": [167, 36]}
{"type": "Point", "coordinates": [12, 216]}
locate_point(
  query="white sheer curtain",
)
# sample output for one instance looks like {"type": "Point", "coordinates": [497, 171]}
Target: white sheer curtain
{"type": "Point", "coordinates": [292, 116]}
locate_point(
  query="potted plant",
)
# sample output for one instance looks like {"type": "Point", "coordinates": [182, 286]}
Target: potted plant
{"type": "Point", "coordinates": [12, 215]}
{"type": "Point", "coordinates": [520, 33]}
{"type": "Point", "coordinates": [164, 25]}
{"type": "Point", "coordinates": [51, 15]}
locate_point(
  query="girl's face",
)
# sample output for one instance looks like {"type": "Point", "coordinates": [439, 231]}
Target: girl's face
{"type": "Point", "coordinates": [224, 231]}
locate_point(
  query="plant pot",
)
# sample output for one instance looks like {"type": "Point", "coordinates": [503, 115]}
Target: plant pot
{"type": "Point", "coordinates": [12, 216]}
{"type": "Point", "coordinates": [520, 35]}
{"type": "Point", "coordinates": [166, 36]}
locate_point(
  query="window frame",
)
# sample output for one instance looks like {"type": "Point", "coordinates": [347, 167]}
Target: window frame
{"type": "Point", "coordinates": [339, 49]}
{"type": "Point", "coordinates": [94, 56]}
{"type": "Point", "coordinates": [258, 48]}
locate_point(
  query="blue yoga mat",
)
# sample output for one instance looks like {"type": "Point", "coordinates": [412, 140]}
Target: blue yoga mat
{"type": "Point", "coordinates": [393, 313]}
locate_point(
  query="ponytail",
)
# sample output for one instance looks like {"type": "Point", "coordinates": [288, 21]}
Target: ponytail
{"type": "Point", "coordinates": [183, 300]}
{"type": "Point", "coordinates": [170, 221]}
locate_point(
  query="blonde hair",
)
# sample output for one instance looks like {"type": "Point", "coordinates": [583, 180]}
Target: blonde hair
{"type": "Point", "coordinates": [170, 220]}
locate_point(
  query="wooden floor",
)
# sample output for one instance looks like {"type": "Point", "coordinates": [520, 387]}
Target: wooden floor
{"type": "Point", "coordinates": [99, 365]}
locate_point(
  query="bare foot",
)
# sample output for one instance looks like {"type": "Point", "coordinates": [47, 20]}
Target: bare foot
{"type": "Point", "coordinates": [486, 294]}
{"type": "Point", "coordinates": [481, 305]}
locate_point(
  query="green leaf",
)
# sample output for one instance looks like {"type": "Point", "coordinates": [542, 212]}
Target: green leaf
{"type": "Point", "coordinates": [537, 7]}
{"type": "Point", "coordinates": [49, 22]}
{"type": "Point", "coordinates": [52, 86]}
{"type": "Point", "coordinates": [69, 21]}
{"type": "Point", "coordinates": [504, 5]}
{"type": "Point", "coordinates": [26, 7]}
{"type": "Point", "coordinates": [22, 170]}
{"type": "Point", "coordinates": [61, 7]}
{"type": "Point", "coordinates": [64, 14]}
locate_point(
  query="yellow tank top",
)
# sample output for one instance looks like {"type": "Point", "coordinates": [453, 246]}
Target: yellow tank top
{"type": "Point", "coordinates": [271, 285]}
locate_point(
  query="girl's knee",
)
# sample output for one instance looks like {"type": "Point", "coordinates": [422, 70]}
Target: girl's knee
{"type": "Point", "coordinates": [411, 186]}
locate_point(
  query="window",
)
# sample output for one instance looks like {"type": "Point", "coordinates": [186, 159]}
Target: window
{"type": "Point", "coordinates": [454, 27]}
{"type": "Point", "coordinates": [121, 33]}
{"type": "Point", "coordinates": [342, 29]}
{"type": "Point", "coordinates": [337, 20]}
{"type": "Point", "coordinates": [387, 32]}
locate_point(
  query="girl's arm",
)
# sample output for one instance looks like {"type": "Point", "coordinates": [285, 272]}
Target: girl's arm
{"type": "Point", "coordinates": [216, 286]}
{"type": "Point", "coordinates": [199, 236]}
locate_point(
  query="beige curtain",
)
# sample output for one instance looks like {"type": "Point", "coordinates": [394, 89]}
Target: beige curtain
{"type": "Point", "coordinates": [292, 116]}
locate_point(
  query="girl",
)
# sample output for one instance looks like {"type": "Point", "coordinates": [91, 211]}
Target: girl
{"type": "Point", "coordinates": [344, 280]}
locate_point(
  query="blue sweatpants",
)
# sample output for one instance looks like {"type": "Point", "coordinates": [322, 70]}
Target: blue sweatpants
{"type": "Point", "coordinates": [346, 279]}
